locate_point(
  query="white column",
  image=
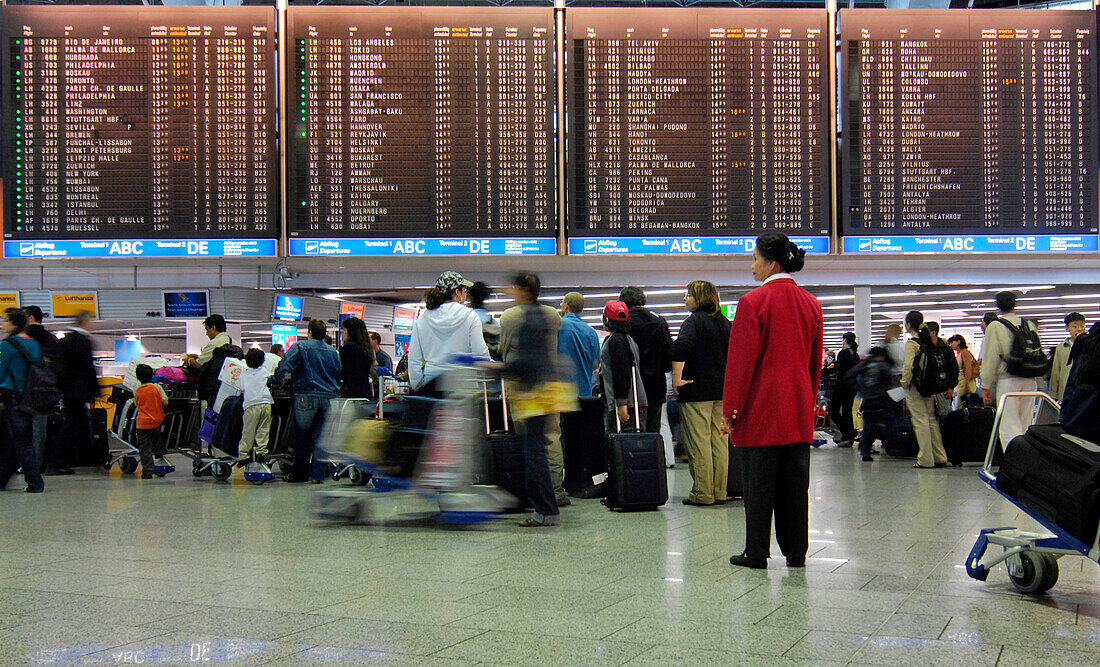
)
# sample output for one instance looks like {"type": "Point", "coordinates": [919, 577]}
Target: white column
{"type": "Point", "coordinates": [863, 319]}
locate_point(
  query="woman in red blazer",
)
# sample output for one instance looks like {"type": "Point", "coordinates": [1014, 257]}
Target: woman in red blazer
{"type": "Point", "coordinates": [772, 374]}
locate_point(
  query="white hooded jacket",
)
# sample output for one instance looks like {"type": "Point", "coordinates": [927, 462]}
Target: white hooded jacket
{"type": "Point", "coordinates": [450, 329]}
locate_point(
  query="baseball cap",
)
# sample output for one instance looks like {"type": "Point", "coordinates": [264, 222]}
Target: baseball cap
{"type": "Point", "coordinates": [451, 280]}
{"type": "Point", "coordinates": [616, 311]}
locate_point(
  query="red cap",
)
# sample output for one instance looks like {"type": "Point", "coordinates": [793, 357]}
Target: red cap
{"type": "Point", "coordinates": [616, 311]}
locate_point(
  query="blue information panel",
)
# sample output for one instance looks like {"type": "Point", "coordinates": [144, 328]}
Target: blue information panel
{"type": "Point", "coordinates": [288, 307]}
{"type": "Point", "coordinates": [186, 304]}
{"type": "Point", "coordinates": [420, 246]}
{"type": "Point", "coordinates": [683, 245]}
{"type": "Point", "coordinates": [1006, 243]}
{"type": "Point", "coordinates": [142, 248]}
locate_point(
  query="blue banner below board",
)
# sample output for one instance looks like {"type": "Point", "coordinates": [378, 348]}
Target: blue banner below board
{"type": "Point", "coordinates": [968, 244]}
{"type": "Point", "coordinates": [683, 245]}
{"type": "Point", "coordinates": [142, 248]}
{"type": "Point", "coordinates": [406, 247]}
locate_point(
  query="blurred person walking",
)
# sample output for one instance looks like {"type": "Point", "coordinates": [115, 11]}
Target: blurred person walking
{"type": "Point", "coordinates": [17, 351]}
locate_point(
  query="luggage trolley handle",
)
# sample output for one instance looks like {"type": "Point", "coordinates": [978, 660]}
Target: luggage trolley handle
{"type": "Point", "coordinates": [1047, 399]}
{"type": "Point", "coordinates": [637, 405]}
{"type": "Point", "coordinates": [503, 404]}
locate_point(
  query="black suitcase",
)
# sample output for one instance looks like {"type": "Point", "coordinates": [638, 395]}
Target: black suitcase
{"type": "Point", "coordinates": [227, 432]}
{"type": "Point", "coordinates": [507, 468]}
{"type": "Point", "coordinates": [98, 449]}
{"type": "Point", "coordinates": [735, 482]}
{"type": "Point", "coordinates": [966, 434]}
{"type": "Point", "coordinates": [902, 440]}
{"type": "Point", "coordinates": [636, 475]}
{"type": "Point", "coordinates": [583, 450]}
{"type": "Point", "coordinates": [1058, 476]}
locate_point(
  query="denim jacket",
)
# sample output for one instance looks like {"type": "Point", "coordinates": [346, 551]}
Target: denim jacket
{"type": "Point", "coordinates": [314, 367]}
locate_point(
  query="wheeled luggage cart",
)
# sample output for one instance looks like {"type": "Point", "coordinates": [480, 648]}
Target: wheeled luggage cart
{"type": "Point", "coordinates": [1032, 558]}
{"type": "Point", "coordinates": [123, 439]}
{"type": "Point", "coordinates": [442, 485]}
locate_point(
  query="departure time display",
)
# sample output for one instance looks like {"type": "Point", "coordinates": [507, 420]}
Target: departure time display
{"type": "Point", "coordinates": [139, 131]}
{"type": "Point", "coordinates": [969, 130]}
{"type": "Point", "coordinates": [421, 130]}
{"type": "Point", "coordinates": [697, 130]}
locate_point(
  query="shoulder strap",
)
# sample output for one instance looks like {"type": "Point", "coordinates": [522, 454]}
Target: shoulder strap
{"type": "Point", "coordinates": [22, 351]}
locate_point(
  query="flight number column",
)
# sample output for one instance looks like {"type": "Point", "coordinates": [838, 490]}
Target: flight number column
{"type": "Point", "coordinates": [444, 95]}
{"type": "Point", "coordinates": [719, 130]}
{"type": "Point", "coordinates": [992, 78]}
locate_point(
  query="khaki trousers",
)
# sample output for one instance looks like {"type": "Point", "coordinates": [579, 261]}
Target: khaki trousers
{"type": "Point", "coordinates": [257, 428]}
{"type": "Point", "coordinates": [926, 426]}
{"type": "Point", "coordinates": [554, 455]}
{"type": "Point", "coordinates": [707, 450]}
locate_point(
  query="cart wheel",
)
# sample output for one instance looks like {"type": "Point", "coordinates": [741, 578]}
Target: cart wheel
{"type": "Point", "coordinates": [358, 477]}
{"type": "Point", "coordinates": [1051, 577]}
{"type": "Point", "coordinates": [1034, 573]}
{"type": "Point", "coordinates": [221, 471]}
{"type": "Point", "coordinates": [258, 482]}
{"type": "Point", "coordinates": [127, 465]}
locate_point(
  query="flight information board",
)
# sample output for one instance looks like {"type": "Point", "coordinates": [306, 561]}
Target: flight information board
{"type": "Point", "coordinates": [139, 131]}
{"type": "Point", "coordinates": [420, 130]}
{"type": "Point", "coordinates": [970, 131]}
{"type": "Point", "coordinates": [695, 130]}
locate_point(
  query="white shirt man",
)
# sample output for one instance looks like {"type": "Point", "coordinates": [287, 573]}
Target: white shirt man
{"type": "Point", "coordinates": [996, 348]}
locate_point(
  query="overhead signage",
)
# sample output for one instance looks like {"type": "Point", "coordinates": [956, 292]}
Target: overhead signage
{"type": "Point", "coordinates": [288, 307]}
{"type": "Point", "coordinates": [403, 319]}
{"type": "Point", "coordinates": [948, 244]}
{"type": "Point", "coordinates": [9, 300]}
{"type": "Point", "coordinates": [284, 334]}
{"type": "Point", "coordinates": [142, 248]}
{"type": "Point", "coordinates": [683, 245]}
{"type": "Point", "coordinates": [71, 304]}
{"type": "Point", "coordinates": [421, 246]}
{"type": "Point", "coordinates": [186, 304]}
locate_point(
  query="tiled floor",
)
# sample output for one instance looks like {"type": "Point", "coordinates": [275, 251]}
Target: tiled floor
{"type": "Point", "coordinates": [107, 570]}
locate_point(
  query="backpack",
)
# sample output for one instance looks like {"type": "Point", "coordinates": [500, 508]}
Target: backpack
{"type": "Point", "coordinates": [42, 392]}
{"type": "Point", "coordinates": [935, 369]}
{"type": "Point", "coordinates": [1081, 401]}
{"type": "Point", "coordinates": [1026, 358]}
{"type": "Point", "coordinates": [872, 379]}
{"type": "Point", "coordinates": [208, 376]}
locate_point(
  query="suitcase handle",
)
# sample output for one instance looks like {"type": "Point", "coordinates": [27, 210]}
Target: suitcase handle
{"type": "Point", "coordinates": [637, 408]}
{"type": "Point", "coordinates": [503, 403]}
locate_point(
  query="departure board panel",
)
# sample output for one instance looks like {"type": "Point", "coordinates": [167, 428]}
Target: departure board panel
{"type": "Point", "coordinates": [695, 130]}
{"type": "Point", "coordinates": [420, 130]}
{"type": "Point", "coordinates": [139, 131]}
{"type": "Point", "coordinates": [971, 131]}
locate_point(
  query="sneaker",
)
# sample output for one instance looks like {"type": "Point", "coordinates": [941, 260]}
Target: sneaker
{"type": "Point", "coordinates": [27, 489]}
{"type": "Point", "coordinates": [564, 501]}
{"type": "Point", "coordinates": [689, 501]}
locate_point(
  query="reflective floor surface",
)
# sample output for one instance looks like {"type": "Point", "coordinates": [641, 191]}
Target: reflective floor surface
{"type": "Point", "coordinates": [109, 569]}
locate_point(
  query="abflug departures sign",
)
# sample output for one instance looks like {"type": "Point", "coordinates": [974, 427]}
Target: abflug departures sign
{"type": "Point", "coordinates": [139, 132]}
{"type": "Point", "coordinates": [420, 131]}
{"type": "Point", "coordinates": [694, 131]}
{"type": "Point", "coordinates": [969, 131]}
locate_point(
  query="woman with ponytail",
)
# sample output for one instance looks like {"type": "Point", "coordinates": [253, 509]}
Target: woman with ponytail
{"type": "Point", "coordinates": [773, 370]}
{"type": "Point", "coordinates": [446, 328]}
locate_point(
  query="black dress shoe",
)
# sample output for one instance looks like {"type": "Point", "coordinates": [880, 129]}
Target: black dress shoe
{"type": "Point", "coordinates": [939, 465]}
{"type": "Point", "coordinates": [689, 501]}
{"type": "Point", "coordinates": [743, 560]}
{"type": "Point", "coordinates": [796, 562]}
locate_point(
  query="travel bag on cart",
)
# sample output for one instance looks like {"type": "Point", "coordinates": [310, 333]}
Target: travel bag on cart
{"type": "Point", "coordinates": [227, 432]}
{"type": "Point", "coordinates": [966, 434]}
{"type": "Point", "coordinates": [636, 476]}
{"type": "Point", "coordinates": [1057, 475]}
{"type": "Point", "coordinates": [98, 450]}
{"type": "Point", "coordinates": [583, 451]}
{"type": "Point", "coordinates": [507, 469]}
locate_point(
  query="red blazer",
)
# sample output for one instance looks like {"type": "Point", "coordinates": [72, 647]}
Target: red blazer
{"type": "Point", "coordinates": [774, 365]}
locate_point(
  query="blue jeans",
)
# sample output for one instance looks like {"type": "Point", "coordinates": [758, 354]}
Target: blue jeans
{"type": "Point", "coordinates": [876, 426]}
{"type": "Point", "coordinates": [310, 411]}
{"type": "Point", "coordinates": [17, 449]}
{"type": "Point", "coordinates": [39, 424]}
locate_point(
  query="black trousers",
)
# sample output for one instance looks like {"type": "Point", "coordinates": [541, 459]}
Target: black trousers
{"type": "Point", "coordinates": [150, 445]}
{"type": "Point", "coordinates": [653, 417]}
{"type": "Point", "coordinates": [840, 411]}
{"type": "Point", "coordinates": [74, 436]}
{"type": "Point", "coordinates": [16, 447]}
{"type": "Point", "coordinates": [777, 481]}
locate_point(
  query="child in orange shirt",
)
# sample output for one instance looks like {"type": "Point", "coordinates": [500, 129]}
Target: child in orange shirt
{"type": "Point", "coordinates": [150, 399]}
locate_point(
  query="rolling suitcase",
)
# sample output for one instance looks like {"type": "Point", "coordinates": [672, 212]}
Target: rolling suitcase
{"type": "Point", "coordinates": [582, 444]}
{"type": "Point", "coordinates": [97, 452]}
{"type": "Point", "coordinates": [902, 440]}
{"type": "Point", "coordinates": [507, 468]}
{"type": "Point", "coordinates": [966, 434]}
{"type": "Point", "coordinates": [636, 476]}
{"type": "Point", "coordinates": [1057, 475]}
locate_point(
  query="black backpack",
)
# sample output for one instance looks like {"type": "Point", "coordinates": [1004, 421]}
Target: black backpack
{"type": "Point", "coordinates": [1026, 358]}
{"type": "Point", "coordinates": [935, 369]}
{"type": "Point", "coordinates": [208, 376]}
{"type": "Point", "coordinates": [1081, 400]}
{"type": "Point", "coordinates": [42, 393]}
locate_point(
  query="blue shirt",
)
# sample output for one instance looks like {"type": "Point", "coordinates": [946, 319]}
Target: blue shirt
{"type": "Point", "coordinates": [580, 343]}
{"type": "Point", "coordinates": [314, 367]}
{"type": "Point", "coordinates": [13, 368]}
